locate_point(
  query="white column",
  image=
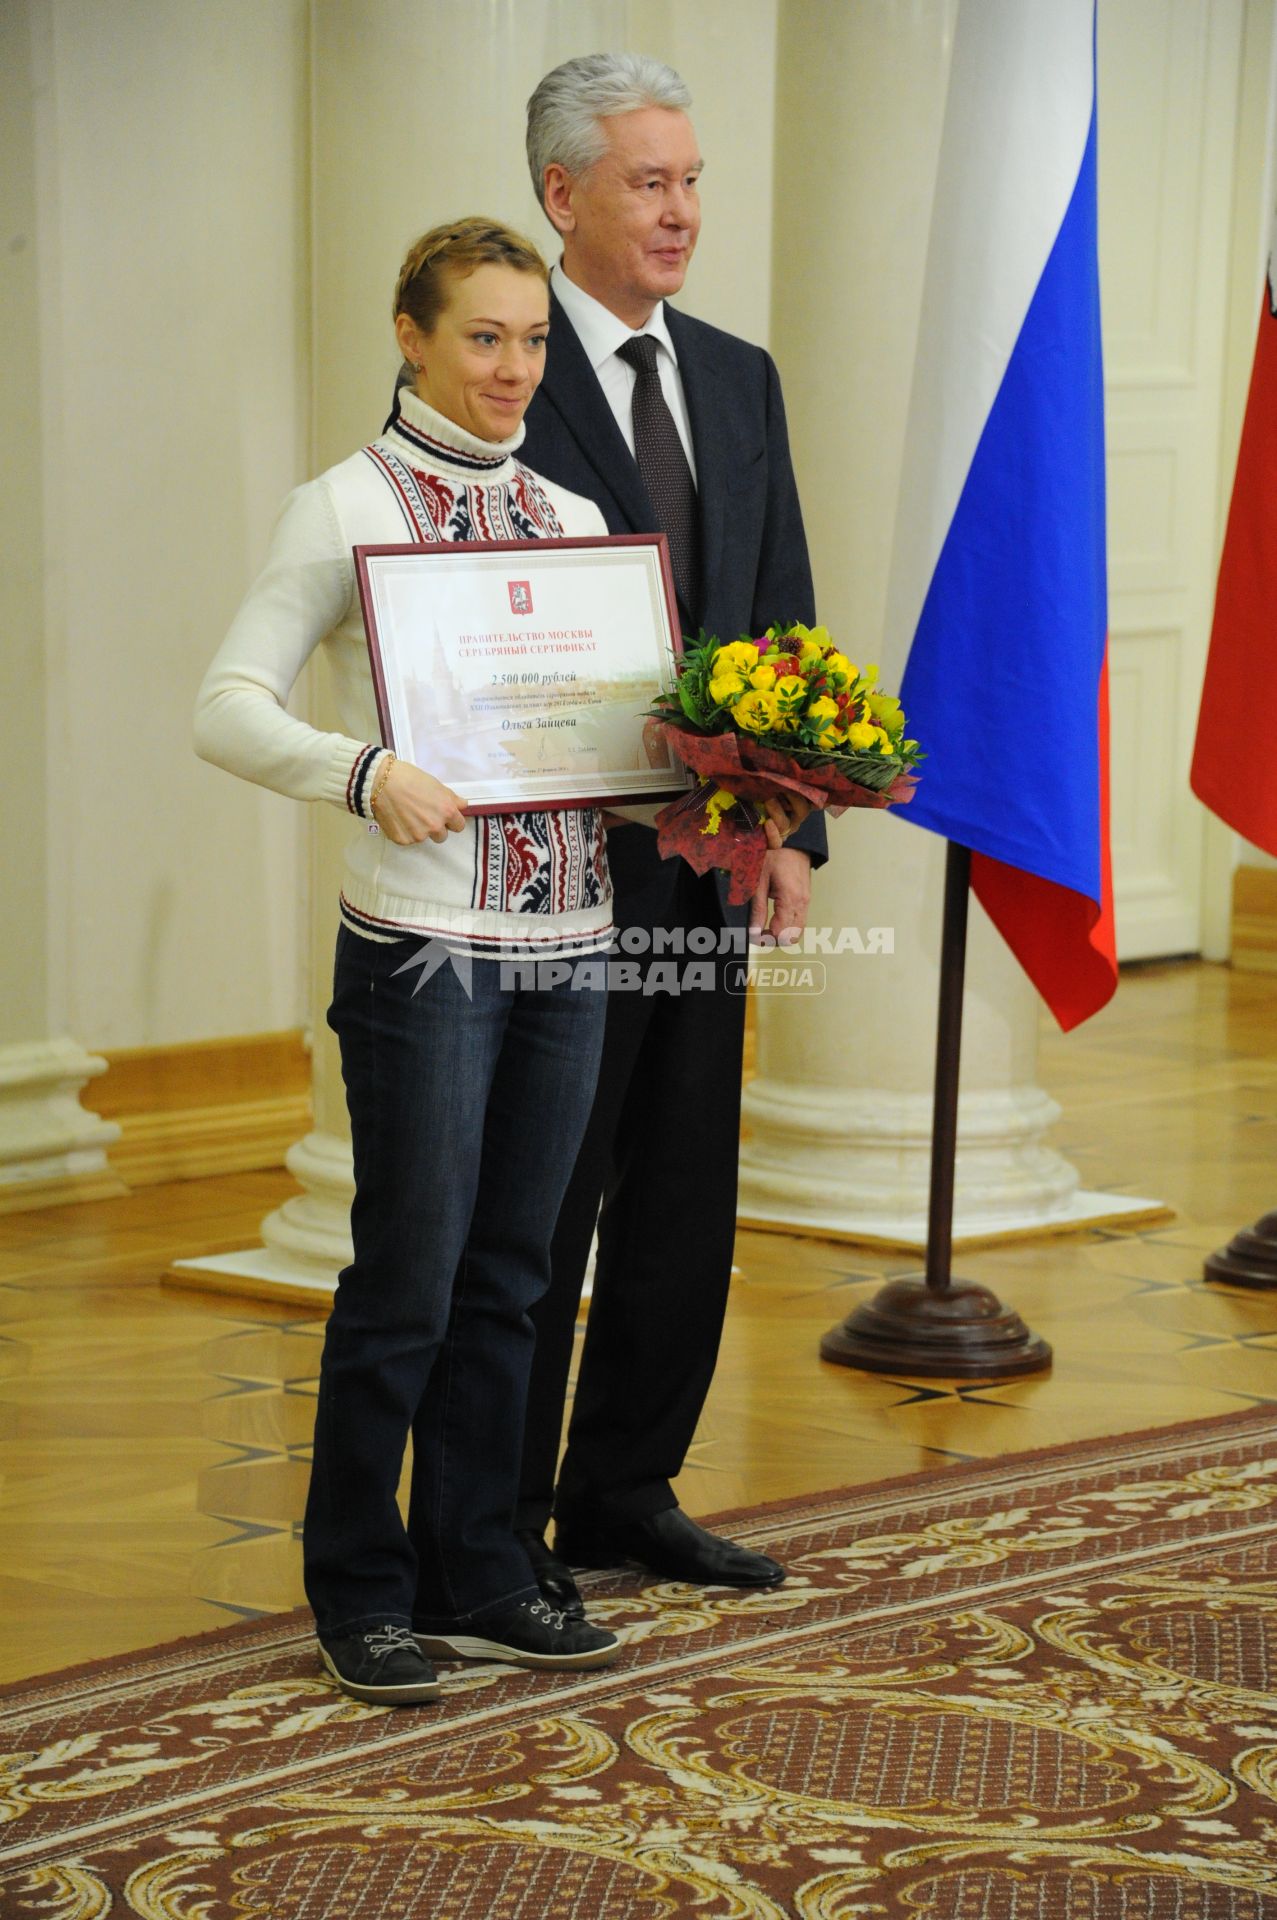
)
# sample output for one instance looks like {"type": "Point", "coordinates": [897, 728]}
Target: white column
{"type": "Point", "coordinates": [463, 96]}
{"type": "Point", "coordinates": [392, 64]}
{"type": "Point", "coordinates": [839, 1116]}
{"type": "Point", "coordinates": [306, 1241]}
{"type": "Point", "coordinates": [51, 1148]}
{"type": "Point", "coordinates": [311, 1233]}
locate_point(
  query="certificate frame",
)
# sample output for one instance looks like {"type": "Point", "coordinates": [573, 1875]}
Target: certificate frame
{"type": "Point", "coordinates": [519, 672]}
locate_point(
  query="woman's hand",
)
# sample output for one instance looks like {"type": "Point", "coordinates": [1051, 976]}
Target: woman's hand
{"type": "Point", "coordinates": [785, 813]}
{"type": "Point", "coordinates": [412, 806]}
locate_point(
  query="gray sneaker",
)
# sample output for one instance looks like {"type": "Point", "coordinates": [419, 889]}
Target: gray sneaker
{"type": "Point", "coordinates": [383, 1666]}
{"type": "Point", "coordinates": [529, 1633]}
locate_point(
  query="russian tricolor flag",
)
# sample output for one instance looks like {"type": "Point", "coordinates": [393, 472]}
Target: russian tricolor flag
{"type": "Point", "coordinates": [998, 592]}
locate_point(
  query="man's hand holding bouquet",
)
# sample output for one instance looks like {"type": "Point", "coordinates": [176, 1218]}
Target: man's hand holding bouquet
{"type": "Point", "coordinates": [786, 718]}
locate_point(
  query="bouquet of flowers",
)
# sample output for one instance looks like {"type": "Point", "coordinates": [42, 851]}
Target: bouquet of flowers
{"type": "Point", "coordinates": [758, 718]}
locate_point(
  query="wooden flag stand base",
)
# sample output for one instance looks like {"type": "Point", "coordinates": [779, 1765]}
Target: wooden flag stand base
{"type": "Point", "coordinates": [930, 1323]}
{"type": "Point", "coordinates": [1249, 1259]}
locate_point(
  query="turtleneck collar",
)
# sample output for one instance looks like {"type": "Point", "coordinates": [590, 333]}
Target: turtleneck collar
{"type": "Point", "coordinates": [432, 436]}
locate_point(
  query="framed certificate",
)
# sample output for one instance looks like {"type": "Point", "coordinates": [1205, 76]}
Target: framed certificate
{"type": "Point", "coordinates": [520, 672]}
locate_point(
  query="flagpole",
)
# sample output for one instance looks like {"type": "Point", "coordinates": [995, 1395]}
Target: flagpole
{"type": "Point", "coordinates": [944, 1111]}
{"type": "Point", "coordinates": [930, 1323]}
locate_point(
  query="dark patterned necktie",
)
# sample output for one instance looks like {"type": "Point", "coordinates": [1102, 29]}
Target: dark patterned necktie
{"type": "Point", "coordinates": [663, 465]}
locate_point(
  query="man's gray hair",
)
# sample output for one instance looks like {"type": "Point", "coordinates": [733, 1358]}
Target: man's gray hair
{"type": "Point", "coordinates": [565, 110]}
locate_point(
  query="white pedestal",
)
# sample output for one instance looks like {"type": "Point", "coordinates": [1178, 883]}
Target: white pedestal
{"type": "Point", "coordinates": [51, 1149]}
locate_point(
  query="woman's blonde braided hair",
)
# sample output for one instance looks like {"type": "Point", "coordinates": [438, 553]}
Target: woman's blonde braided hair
{"type": "Point", "coordinates": [455, 250]}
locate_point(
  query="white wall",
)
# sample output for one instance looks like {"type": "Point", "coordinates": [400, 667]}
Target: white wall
{"type": "Point", "coordinates": [448, 88]}
{"type": "Point", "coordinates": [22, 673]}
{"type": "Point", "coordinates": [846, 316]}
{"type": "Point", "coordinates": [1170, 191]}
{"type": "Point", "coordinates": [170, 233]}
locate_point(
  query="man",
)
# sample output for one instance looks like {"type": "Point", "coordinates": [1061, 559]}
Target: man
{"type": "Point", "coordinates": [666, 423]}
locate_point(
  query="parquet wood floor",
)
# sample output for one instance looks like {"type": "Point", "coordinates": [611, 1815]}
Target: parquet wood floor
{"type": "Point", "coordinates": [153, 1445]}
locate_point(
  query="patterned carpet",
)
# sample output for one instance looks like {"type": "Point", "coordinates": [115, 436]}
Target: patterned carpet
{"type": "Point", "coordinates": [1039, 1687]}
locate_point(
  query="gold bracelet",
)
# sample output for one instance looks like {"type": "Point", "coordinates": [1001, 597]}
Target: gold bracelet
{"type": "Point", "coordinates": [383, 774]}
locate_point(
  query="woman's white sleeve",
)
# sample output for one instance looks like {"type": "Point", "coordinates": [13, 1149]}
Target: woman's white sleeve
{"type": "Point", "coordinates": [302, 593]}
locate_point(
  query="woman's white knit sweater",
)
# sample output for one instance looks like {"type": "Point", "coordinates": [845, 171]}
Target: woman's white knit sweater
{"type": "Point", "coordinates": [537, 880]}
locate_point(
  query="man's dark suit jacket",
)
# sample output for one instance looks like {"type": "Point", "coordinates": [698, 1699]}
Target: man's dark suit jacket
{"type": "Point", "coordinates": [754, 566]}
{"type": "Point", "coordinates": [663, 1273]}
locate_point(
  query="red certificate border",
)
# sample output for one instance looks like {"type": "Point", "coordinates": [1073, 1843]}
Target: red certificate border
{"type": "Point", "coordinates": [581, 544]}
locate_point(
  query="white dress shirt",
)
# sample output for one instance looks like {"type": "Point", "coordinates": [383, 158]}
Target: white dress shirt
{"type": "Point", "coordinates": [601, 333]}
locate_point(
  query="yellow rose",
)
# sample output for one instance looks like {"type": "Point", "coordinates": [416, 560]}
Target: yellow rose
{"type": "Point", "coordinates": [756, 711]}
{"type": "Point", "coordinates": [862, 734]}
{"type": "Point", "coordinates": [823, 710]}
{"type": "Point", "coordinates": [740, 657]}
{"type": "Point", "coordinates": [810, 655]}
{"type": "Point", "coordinates": [839, 669]}
{"type": "Point", "coordinates": [886, 711]}
{"type": "Point", "coordinates": [726, 687]}
{"type": "Point", "coordinates": [763, 676]}
{"type": "Point", "coordinates": [791, 692]}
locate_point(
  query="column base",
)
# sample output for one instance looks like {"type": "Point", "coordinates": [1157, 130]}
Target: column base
{"type": "Point", "coordinates": [267, 1273]}
{"type": "Point", "coordinates": [907, 1233]}
{"type": "Point", "coordinates": [52, 1151]}
{"type": "Point", "coordinates": [257, 1273]}
{"type": "Point", "coordinates": [855, 1165]}
{"type": "Point", "coordinates": [305, 1243]}
{"type": "Point", "coordinates": [314, 1226]}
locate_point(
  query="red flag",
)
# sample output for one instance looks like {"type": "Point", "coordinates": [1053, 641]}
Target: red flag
{"type": "Point", "coordinates": [1235, 759]}
{"type": "Point", "coordinates": [1066, 943]}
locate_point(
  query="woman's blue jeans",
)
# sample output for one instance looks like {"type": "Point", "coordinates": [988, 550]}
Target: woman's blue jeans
{"type": "Point", "coordinates": [466, 1116]}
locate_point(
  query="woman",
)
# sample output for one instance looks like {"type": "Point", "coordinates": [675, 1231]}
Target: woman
{"type": "Point", "coordinates": [467, 1097]}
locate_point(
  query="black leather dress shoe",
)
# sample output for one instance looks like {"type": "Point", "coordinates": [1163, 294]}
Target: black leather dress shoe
{"type": "Point", "coordinates": [671, 1544]}
{"type": "Point", "coordinates": [553, 1576]}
